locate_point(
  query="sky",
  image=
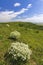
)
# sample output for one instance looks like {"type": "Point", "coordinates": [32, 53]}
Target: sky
{"type": "Point", "coordinates": [21, 10]}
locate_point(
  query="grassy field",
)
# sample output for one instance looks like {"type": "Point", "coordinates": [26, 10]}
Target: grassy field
{"type": "Point", "coordinates": [31, 34]}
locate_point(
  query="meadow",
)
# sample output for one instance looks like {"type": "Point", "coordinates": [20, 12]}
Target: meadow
{"type": "Point", "coordinates": [31, 34]}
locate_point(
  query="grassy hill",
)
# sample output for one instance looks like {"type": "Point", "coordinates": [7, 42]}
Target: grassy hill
{"type": "Point", "coordinates": [31, 34]}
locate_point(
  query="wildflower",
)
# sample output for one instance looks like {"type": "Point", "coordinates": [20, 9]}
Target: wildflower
{"type": "Point", "coordinates": [15, 34]}
{"type": "Point", "coordinates": [21, 50]}
{"type": "Point", "coordinates": [7, 25]}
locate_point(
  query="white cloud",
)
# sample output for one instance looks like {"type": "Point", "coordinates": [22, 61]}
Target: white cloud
{"type": "Point", "coordinates": [9, 15]}
{"type": "Point", "coordinates": [35, 19]}
{"type": "Point", "coordinates": [17, 4]}
{"type": "Point", "coordinates": [29, 6]}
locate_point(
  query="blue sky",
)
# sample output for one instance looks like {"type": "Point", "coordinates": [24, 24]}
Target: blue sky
{"type": "Point", "coordinates": [21, 10]}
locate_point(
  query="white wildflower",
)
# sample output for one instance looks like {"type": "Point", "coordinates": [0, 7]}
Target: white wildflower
{"type": "Point", "coordinates": [7, 25]}
{"type": "Point", "coordinates": [20, 50]}
{"type": "Point", "coordinates": [15, 34]}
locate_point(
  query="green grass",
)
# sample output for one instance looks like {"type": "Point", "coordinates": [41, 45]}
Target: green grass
{"type": "Point", "coordinates": [31, 34]}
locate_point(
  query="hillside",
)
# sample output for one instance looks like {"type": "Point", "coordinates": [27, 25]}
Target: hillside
{"type": "Point", "coordinates": [31, 34]}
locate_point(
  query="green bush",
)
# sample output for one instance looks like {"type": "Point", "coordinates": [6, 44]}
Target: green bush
{"type": "Point", "coordinates": [37, 31]}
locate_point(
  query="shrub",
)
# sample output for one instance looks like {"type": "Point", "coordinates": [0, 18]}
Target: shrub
{"type": "Point", "coordinates": [37, 31]}
{"type": "Point", "coordinates": [18, 52]}
{"type": "Point", "coordinates": [7, 25]}
{"type": "Point", "coordinates": [21, 25]}
{"type": "Point", "coordinates": [14, 35]}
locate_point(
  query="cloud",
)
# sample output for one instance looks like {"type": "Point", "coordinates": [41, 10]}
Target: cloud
{"type": "Point", "coordinates": [6, 16]}
{"type": "Point", "coordinates": [17, 4]}
{"type": "Point", "coordinates": [21, 11]}
{"type": "Point", "coordinates": [9, 15]}
{"type": "Point", "coordinates": [35, 19]}
{"type": "Point", "coordinates": [29, 6]}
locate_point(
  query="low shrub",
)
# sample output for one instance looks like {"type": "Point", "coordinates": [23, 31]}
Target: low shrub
{"type": "Point", "coordinates": [18, 53]}
{"type": "Point", "coordinates": [37, 31]}
{"type": "Point", "coordinates": [21, 25]}
{"type": "Point", "coordinates": [15, 35]}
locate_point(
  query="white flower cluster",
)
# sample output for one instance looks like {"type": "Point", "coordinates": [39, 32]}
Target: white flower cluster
{"type": "Point", "coordinates": [18, 49]}
{"type": "Point", "coordinates": [7, 25]}
{"type": "Point", "coordinates": [15, 34]}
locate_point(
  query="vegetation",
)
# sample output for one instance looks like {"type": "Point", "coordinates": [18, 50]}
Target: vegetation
{"type": "Point", "coordinates": [14, 35]}
{"type": "Point", "coordinates": [19, 53]}
{"type": "Point", "coordinates": [31, 34]}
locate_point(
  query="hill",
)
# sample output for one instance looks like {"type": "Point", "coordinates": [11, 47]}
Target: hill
{"type": "Point", "coordinates": [31, 34]}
